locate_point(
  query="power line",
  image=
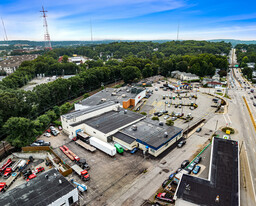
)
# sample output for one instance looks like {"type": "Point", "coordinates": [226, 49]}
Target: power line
{"type": "Point", "coordinates": [46, 34]}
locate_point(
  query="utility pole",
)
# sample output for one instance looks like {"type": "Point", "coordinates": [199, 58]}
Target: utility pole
{"type": "Point", "coordinates": [5, 34]}
{"type": "Point", "coordinates": [47, 39]}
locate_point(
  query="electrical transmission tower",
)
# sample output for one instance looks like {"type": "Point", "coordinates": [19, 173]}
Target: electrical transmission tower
{"type": "Point", "coordinates": [46, 34]}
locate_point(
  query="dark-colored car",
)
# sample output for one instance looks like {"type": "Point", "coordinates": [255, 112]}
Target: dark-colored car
{"type": "Point", "coordinates": [178, 170]}
{"type": "Point", "coordinates": [165, 183]}
{"type": "Point", "coordinates": [160, 114]}
{"type": "Point", "coordinates": [156, 113]}
{"type": "Point", "coordinates": [191, 167]}
{"type": "Point", "coordinates": [176, 106]}
{"type": "Point", "coordinates": [181, 143]}
{"type": "Point", "coordinates": [197, 159]}
{"type": "Point", "coordinates": [184, 163]}
{"type": "Point", "coordinates": [83, 164]}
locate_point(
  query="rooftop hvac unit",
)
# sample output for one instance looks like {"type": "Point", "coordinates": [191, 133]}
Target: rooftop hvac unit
{"type": "Point", "coordinates": [134, 127]}
{"type": "Point", "coordinates": [125, 111]}
{"type": "Point", "coordinates": [165, 134]}
{"type": "Point", "coordinates": [113, 94]}
{"type": "Point", "coordinates": [123, 95]}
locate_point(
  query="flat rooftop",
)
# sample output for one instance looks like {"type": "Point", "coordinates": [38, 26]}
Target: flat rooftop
{"type": "Point", "coordinates": [79, 113]}
{"type": "Point", "coordinates": [122, 94]}
{"type": "Point", "coordinates": [112, 120]}
{"type": "Point", "coordinates": [223, 179]}
{"type": "Point", "coordinates": [152, 135]}
{"type": "Point", "coordinates": [38, 191]}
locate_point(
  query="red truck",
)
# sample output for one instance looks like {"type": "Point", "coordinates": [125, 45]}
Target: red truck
{"type": "Point", "coordinates": [4, 166]}
{"type": "Point", "coordinates": [3, 186]}
{"type": "Point", "coordinates": [7, 172]}
{"type": "Point", "coordinates": [82, 173]}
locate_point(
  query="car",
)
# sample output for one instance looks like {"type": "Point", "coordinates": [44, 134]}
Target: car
{"type": "Point", "coordinates": [196, 169]}
{"type": "Point", "coordinates": [39, 169]}
{"type": "Point", "coordinates": [46, 144]}
{"type": "Point", "coordinates": [7, 172]}
{"type": "Point", "coordinates": [164, 197]}
{"type": "Point", "coordinates": [166, 117]}
{"type": "Point", "coordinates": [192, 108]}
{"type": "Point", "coordinates": [199, 129]}
{"type": "Point", "coordinates": [60, 127]}
{"type": "Point", "coordinates": [176, 106]}
{"type": "Point", "coordinates": [165, 111]}
{"type": "Point", "coordinates": [35, 144]}
{"type": "Point", "coordinates": [184, 163]}
{"type": "Point", "coordinates": [197, 159]}
{"type": "Point", "coordinates": [156, 113]}
{"type": "Point", "coordinates": [191, 167]}
{"type": "Point", "coordinates": [52, 128]}
{"type": "Point", "coordinates": [251, 98]}
{"type": "Point", "coordinates": [172, 175]}
{"type": "Point", "coordinates": [168, 105]}
{"type": "Point", "coordinates": [173, 118]}
{"type": "Point", "coordinates": [40, 141]}
{"type": "Point", "coordinates": [249, 92]}
{"type": "Point", "coordinates": [47, 134]}
{"type": "Point", "coordinates": [165, 183]}
{"type": "Point", "coordinates": [30, 177]}
{"type": "Point", "coordinates": [134, 150]}
{"type": "Point", "coordinates": [54, 133]}
{"type": "Point", "coordinates": [178, 170]}
{"type": "Point", "coordinates": [166, 102]}
{"type": "Point", "coordinates": [179, 106]}
{"type": "Point", "coordinates": [160, 114]}
{"type": "Point", "coordinates": [181, 143]}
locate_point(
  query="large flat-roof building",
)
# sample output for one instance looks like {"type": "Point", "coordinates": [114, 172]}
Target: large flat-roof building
{"type": "Point", "coordinates": [49, 188]}
{"type": "Point", "coordinates": [222, 186]}
{"type": "Point", "coordinates": [110, 122]}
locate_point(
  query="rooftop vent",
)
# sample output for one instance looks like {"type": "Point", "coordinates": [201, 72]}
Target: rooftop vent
{"type": "Point", "coordinates": [60, 181]}
{"type": "Point", "coordinates": [125, 111]}
{"type": "Point", "coordinates": [46, 177]}
{"type": "Point", "coordinates": [161, 124]}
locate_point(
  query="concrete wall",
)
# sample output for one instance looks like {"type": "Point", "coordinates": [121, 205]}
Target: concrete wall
{"type": "Point", "coordinates": [41, 155]}
{"type": "Point", "coordinates": [64, 199]}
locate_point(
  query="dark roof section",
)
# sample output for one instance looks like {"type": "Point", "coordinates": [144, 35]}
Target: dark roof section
{"type": "Point", "coordinates": [223, 178]}
{"type": "Point", "coordinates": [79, 113]}
{"type": "Point", "coordinates": [39, 191]}
{"type": "Point", "coordinates": [112, 120]}
{"type": "Point", "coordinates": [152, 135]}
{"type": "Point", "coordinates": [124, 137]}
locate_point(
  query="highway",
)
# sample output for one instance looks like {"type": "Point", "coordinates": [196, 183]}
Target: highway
{"type": "Point", "coordinates": [246, 135]}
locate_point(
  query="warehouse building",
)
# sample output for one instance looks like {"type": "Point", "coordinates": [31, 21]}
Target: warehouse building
{"type": "Point", "coordinates": [49, 188]}
{"type": "Point", "coordinates": [128, 97]}
{"type": "Point", "coordinates": [109, 122]}
{"type": "Point", "coordinates": [222, 186]}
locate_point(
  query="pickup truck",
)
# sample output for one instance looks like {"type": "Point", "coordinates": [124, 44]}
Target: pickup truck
{"type": "Point", "coordinates": [3, 186]}
{"type": "Point", "coordinates": [7, 172]}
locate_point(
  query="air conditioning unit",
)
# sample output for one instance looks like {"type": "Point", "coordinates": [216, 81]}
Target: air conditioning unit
{"type": "Point", "coordinates": [165, 134]}
{"type": "Point", "coordinates": [134, 127]}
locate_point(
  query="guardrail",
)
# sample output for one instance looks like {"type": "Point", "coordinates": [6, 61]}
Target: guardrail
{"type": "Point", "coordinates": [250, 113]}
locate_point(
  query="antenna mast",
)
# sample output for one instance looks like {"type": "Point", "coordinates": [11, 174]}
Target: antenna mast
{"type": "Point", "coordinates": [91, 30]}
{"type": "Point", "coordinates": [178, 32]}
{"type": "Point", "coordinates": [5, 35]}
{"type": "Point", "coordinates": [46, 34]}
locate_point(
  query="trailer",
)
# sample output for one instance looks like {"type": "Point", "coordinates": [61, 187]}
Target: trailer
{"type": "Point", "coordinates": [69, 153]}
{"type": "Point", "coordinates": [82, 173]}
{"type": "Point", "coordinates": [85, 146]}
{"type": "Point", "coordinates": [103, 146]}
{"type": "Point", "coordinates": [5, 165]}
{"type": "Point", "coordinates": [66, 153]}
{"type": "Point", "coordinates": [82, 136]}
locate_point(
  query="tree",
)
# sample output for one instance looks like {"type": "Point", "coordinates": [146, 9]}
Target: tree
{"type": "Point", "coordinates": [130, 73]}
{"type": "Point", "coordinates": [147, 71]}
{"type": "Point", "coordinates": [64, 59]}
{"type": "Point", "coordinates": [245, 59]}
{"type": "Point", "coordinates": [20, 131]}
{"type": "Point", "coordinates": [169, 122]}
{"type": "Point", "coordinates": [182, 66]}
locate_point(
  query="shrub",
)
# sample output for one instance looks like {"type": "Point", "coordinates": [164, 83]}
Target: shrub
{"type": "Point", "coordinates": [57, 123]}
{"type": "Point", "coordinates": [155, 118]}
{"type": "Point", "coordinates": [232, 131]}
{"type": "Point", "coordinates": [86, 95]}
{"type": "Point", "coordinates": [169, 122]}
{"type": "Point", "coordinates": [143, 113]}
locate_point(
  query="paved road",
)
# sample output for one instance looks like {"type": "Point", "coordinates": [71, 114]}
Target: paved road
{"type": "Point", "coordinates": [240, 120]}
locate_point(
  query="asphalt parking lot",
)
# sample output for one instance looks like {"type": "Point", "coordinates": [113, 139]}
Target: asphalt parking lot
{"type": "Point", "coordinates": [107, 174]}
{"type": "Point", "coordinates": [156, 103]}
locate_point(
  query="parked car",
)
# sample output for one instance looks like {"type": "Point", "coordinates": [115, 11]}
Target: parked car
{"type": "Point", "coordinates": [192, 108]}
{"type": "Point", "coordinates": [184, 163]}
{"type": "Point", "coordinates": [54, 133]}
{"type": "Point", "coordinates": [60, 127]}
{"type": "Point", "coordinates": [156, 113]}
{"type": "Point", "coordinates": [166, 117]}
{"type": "Point", "coordinates": [199, 129]}
{"type": "Point", "coordinates": [32, 176]}
{"type": "Point", "coordinates": [160, 114]}
{"type": "Point", "coordinates": [164, 197]}
{"type": "Point", "coordinates": [197, 159]}
{"type": "Point", "coordinates": [196, 169]}
{"type": "Point", "coordinates": [172, 175]}
{"type": "Point", "coordinates": [173, 118]}
{"type": "Point", "coordinates": [191, 167]}
{"type": "Point", "coordinates": [181, 143]}
{"type": "Point", "coordinates": [47, 134]}
{"type": "Point", "coordinates": [176, 106]}
{"type": "Point", "coordinates": [178, 170]}
{"type": "Point", "coordinates": [169, 105]}
{"type": "Point", "coordinates": [35, 144]}
{"type": "Point", "coordinates": [40, 141]}
{"type": "Point", "coordinates": [179, 106]}
{"type": "Point", "coordinates": [134, 150]}
{"type": "Point", "coordinates": [165, 183]}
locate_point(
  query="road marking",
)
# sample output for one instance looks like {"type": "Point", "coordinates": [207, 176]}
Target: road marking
{"type": "Point", "coordinates": [225, 118]}
{"type": "Point", "coordinates": [250, 137]}
{"type": "Point", "coordinates": [253, 150]}
{"type": "Point", "coordinates": [229, 119]}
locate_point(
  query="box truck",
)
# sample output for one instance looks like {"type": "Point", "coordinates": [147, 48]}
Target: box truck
{"type": "Point", "coordinates": [103, 146]}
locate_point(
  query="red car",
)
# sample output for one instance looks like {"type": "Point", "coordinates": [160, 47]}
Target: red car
{"type": "Point", "coordinates": [7, 172]}
{"type": "Point", "coordinates": [39, 169]}
{"type": "Point", "coordinates": [31, 177]}
{"type": "Point", "coordinates": [2, 186]}
{"type": "Point", "coordinates": [85, 175]}
{"type": "Point", "coordinates": [165, 197]}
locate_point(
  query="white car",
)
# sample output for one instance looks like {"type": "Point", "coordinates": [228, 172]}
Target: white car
{"type": "Point", "coordinates": [169, 105]}
{"type": "Point", "coordinates": [166, 117]}
{"type": "Point", "coordinates": [47, 134]}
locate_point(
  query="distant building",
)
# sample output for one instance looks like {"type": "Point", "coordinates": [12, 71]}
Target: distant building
{"type": "Point", "coordinates": [13, 62]}
{"type": "Point", "coordinates": [216, 77]}
{"type": "Point", "coordinates": [184, 76]}
{"type": "Point", "coordinates": [223, 184]}
{"type": "Point", "coordinates": [213, 84]}
{"type": "Point", "coordinates": [49, 188]}
{"type": "Point", "coordinates": [251, 65]}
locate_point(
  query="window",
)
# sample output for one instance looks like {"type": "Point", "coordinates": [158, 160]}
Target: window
{"type": "Point", "coordinates": [70, 200]}
{"type": "Point", "coordinates": [152, 150]}
{"type": "Point", "coordinates": [63, 204]}
{"type": "Point", "coordinates": [94, 132]}
{"type": "Point", "coordinates": [166, 144]}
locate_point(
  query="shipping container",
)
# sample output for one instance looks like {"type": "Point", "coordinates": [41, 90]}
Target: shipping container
{"type": "Point", "coordinates": [103, 146]}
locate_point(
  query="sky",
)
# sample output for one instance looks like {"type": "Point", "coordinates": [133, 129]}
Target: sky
{"type": "Point", "coordinates": [129, 19]}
